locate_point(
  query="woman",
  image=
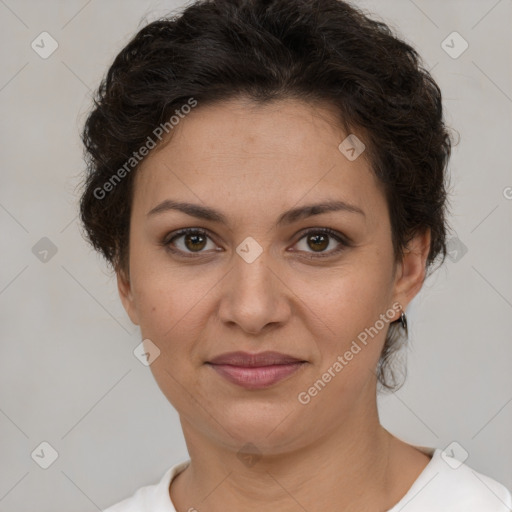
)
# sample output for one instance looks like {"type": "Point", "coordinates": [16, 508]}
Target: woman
{"type": "Point", "coordinates": [267, 179]}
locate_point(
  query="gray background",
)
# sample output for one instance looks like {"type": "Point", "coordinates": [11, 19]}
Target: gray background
{"type": "Point", "coordinates": [68, 375]}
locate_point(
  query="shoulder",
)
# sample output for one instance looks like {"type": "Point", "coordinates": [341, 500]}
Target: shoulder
{"type": "Point", "coordinates": [151, 498]}
{"type": "Point", "coordinates": [448, 485]}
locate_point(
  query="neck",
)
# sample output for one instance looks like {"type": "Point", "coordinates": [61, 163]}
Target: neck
{"type": "Point", "coordinates": [347, 469]}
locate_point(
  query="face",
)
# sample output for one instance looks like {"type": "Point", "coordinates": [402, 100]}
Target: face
{"type": "Point", "coordinates": [260, 272]}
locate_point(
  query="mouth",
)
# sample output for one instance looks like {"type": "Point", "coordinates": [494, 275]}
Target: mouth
{"type": "Point", "coordinates": [255, 371]}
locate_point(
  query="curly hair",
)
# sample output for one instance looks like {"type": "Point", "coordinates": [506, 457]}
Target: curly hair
{"type": "Point", "coordinates": [266, 50]}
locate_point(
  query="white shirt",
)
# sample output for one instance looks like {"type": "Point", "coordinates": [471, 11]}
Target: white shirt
{"type": "Point", "coordinates": [445, 485]}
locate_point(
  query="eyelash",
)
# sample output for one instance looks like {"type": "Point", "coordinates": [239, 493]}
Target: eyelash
{"type": "Point", "coordinates": [344, 243]}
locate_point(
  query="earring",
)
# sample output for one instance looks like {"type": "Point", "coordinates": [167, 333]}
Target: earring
{"type": "Point", "coordinates": [403, 320]}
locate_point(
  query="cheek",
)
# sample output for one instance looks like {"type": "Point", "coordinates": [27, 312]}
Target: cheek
{"type": "Point", "coordinates": [351, 297]}
{"type": "Point", "coordinates": [350, 303]}
{"type": "Point", "coordinates": [171, 305]}
{"type": "Point", "coordinates": [160, 290]}
{"type": "Point", "coordinates": [170, 309]}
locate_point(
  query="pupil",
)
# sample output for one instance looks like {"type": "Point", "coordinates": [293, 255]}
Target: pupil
{"type": "Point", "coordinates": [194, 239]}
{"type": "Point", "coordinates": [315, 239]}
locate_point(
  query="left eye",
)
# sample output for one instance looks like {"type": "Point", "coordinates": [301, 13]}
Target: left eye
{"type": "Point", "coordinates": [319, 240]}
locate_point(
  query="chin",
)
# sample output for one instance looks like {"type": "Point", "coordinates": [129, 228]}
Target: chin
{"type": "Point", "coordinates": [271, 428]}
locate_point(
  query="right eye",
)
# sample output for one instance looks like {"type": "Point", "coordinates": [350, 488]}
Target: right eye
{"type": "Point", "coordinates": [191, 241]}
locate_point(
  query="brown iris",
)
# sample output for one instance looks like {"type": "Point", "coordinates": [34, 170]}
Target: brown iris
{"type": "Point", "coordinates": [197, 241]}
{"type": "Point", "coordinates": [321, 241]}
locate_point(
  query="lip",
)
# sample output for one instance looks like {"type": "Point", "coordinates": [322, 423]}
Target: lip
{"type": "Point", "coordinates": [255, 371]}
{"type": "Point", "coordinates": [246, 359]}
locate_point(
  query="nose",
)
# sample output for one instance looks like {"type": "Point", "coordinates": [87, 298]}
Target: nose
{"type": "Point", "coordinates": [254, 296]}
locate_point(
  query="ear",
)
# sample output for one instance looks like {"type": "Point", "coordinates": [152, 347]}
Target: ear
{"type": "Point", "coordinates": [126, 294]}
{"type": "Point", "coordinates": [411, 270]}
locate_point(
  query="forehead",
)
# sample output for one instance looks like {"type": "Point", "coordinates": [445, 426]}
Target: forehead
{"type": "Point", "coordinates": [241, 127]}
{"type": "Point", "coordinates": [238, 153]}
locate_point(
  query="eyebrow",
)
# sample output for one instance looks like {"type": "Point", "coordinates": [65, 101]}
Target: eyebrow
{"type": "Point", "coordinates": [288, 217]}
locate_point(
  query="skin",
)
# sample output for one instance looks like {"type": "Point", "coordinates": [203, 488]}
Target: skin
{"type": "Point", "coordinates": [252, 163]}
